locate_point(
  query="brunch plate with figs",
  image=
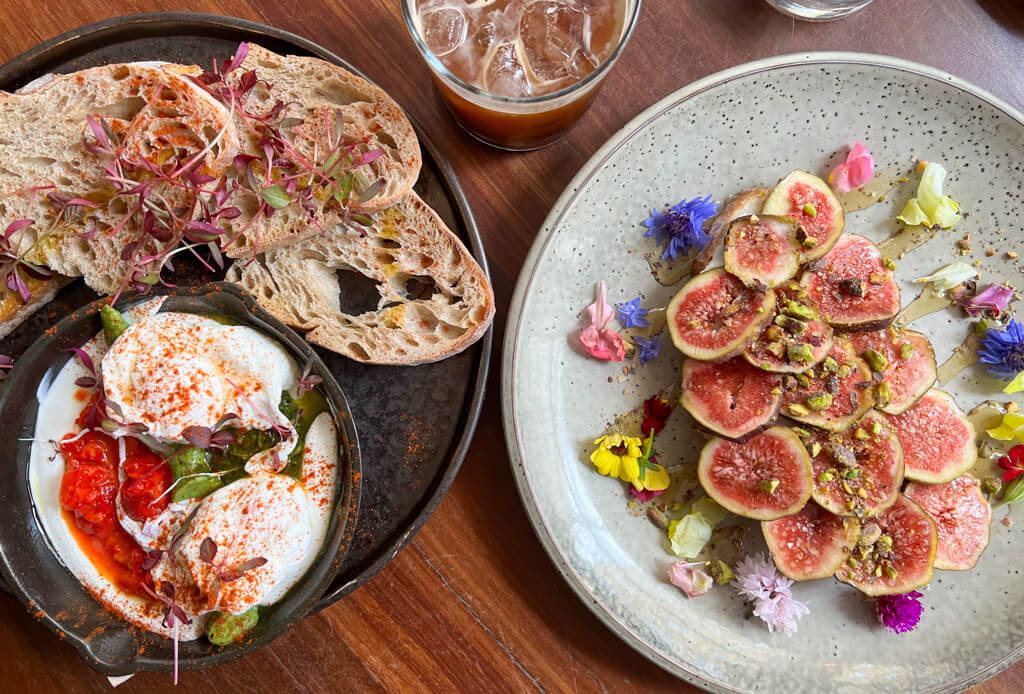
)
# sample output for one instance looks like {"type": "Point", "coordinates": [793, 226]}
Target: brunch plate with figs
{"type": "Point", "coordinates": [223, 257]}
{"type": "Point", "coordinates": [803, 379]}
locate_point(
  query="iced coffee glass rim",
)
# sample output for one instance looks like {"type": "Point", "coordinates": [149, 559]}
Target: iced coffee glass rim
{"type": "Point", "coordinates": [408, 10]}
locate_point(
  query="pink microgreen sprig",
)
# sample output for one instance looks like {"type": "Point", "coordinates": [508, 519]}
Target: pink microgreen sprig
{"type": "Point", "coordinates": [13, 265]}
{"type": "Point", "coordinates": [283, 431]}
{"type": "Point", "coordinates": [223, 573]}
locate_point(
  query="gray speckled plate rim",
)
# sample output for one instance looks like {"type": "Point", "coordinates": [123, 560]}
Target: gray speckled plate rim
{"type": "Point", "coordinates": [540, 244]}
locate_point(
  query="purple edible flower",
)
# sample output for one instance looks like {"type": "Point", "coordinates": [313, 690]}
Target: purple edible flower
{"type": "Point", "coordinates": [681, 226]}
{"type": "Point", "coordinates": [644, 495]}
{"type": "Point", "coordinates": [900, 612]}
{"type": "Point", "coordinates": [759, 582]}
{"type": "Point", "coordinates": [649, 349]}
{"type": "Point", "coordinates": [993, 300]}
{"type": "Point", "coordinates": [631, 315]}
{"type": "Point", "coordinates": [1003, 350]}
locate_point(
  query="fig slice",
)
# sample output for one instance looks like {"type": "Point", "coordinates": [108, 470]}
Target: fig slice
{"type": "Point", "coordinates": [859, 472]}
{"type": "Point", "coordinates": [762, 250]}
{"type": "Point", "coordinates": [811, 543]}
{"type": "Point", "coordinates": [896, 555]}
{"type": "Point", "coordinates": [767, 477]}
{"type": "Point", "coordinates": [906, 361]}
{"type": "Point", "coordinates": [731, 398]}
{"type": "Point", "coordinates": [852, 287]}
{"type": "Point", "coordinates": [714, 316]}
{"type": "Point", "coordinates": [811, 204]}
{"type": "Point", "coordinates": [833, 395]}
{"type": "Point", "coordinates": [962, 517]}
{"type": "Point", "coordinates": [744, 203]}
{"type": "Point", "coordinates": [938, 440]}
{"type": "Point", "coordinates": [795, 338]}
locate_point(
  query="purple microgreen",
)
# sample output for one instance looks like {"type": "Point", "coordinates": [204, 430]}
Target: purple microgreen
{"type": "Point", "coordinates": [369, 157]}
{"type": "Point", "coordinates": [84, 357]}
{"type": "Point", "coordinates": [307, 383]}
{"type": "Point", "coordinates": [283, 431]}
{"type": "Point", "coordinates": [16, 226]}
{"type": "Point", "coordinates": [152, 559]}
{"type": "Point", "coordinates": [233, 573]}
{"type": "Point", "coordinates": [197, 436]}
{"type": "Point", "coordinates": [207, 550]}
{"type": "Point", "coordinates": [86, 382]}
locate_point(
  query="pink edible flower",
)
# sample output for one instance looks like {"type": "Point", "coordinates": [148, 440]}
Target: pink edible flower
{"type": "Point", "coordinates": [994, 299]}
{"type": "Point", "coordinates": [597, 339]}
{"type": "Point", "coordinates": [690, 579]}
{"type": "Point", "coordinates": [901, 612]}
{"type": "Point", "coordinates": [759, 582]}
{"type": "Point", "coordinates": [855, 171]}
{"type": "Point", "coordinates": [645, 495]}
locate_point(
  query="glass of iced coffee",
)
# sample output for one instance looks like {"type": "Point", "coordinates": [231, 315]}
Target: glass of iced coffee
{"type": "Point", "coordinates": [517, 74]}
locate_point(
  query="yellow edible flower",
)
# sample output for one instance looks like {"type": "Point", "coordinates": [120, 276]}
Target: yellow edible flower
{"type": "Point", "coordinates": [1011, 428]}
{"type": "Point", "coordinates": [1016, 385]}
{"type": "Point", "coordinates": [653, 478]}
{"type": "Point", "coordinates": [618, 456]}
{"type": "Point", "coordinates": [931, 207]}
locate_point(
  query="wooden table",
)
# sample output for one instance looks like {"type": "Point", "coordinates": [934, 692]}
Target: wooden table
{"type": "Point", "coordinates": [473, 603]}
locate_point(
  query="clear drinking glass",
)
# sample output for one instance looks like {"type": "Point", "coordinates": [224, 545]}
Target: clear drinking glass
{"type": "Point", "coordinates": [818, 10]}
{"type": "Point", "coordinates": [515, 122]}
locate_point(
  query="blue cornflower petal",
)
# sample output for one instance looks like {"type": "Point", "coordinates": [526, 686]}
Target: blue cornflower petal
{"type": "Point", "coordinates": [682, 226]}
{"type": "Point", "coordinates": [631, 315]}
{"type": "Point", "coordinates": [649, 349]}
{"type": "Point", "coordinates": [1003, 350]}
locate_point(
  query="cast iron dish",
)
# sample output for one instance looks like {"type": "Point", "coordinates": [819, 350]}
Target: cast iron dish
{"type": "Point", "coordinates": [52, 594]}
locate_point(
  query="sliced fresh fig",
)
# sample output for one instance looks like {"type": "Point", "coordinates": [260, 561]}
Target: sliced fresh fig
{"type": "Point", "coordinates": [811, 543]}
{"type": "Point", "coordinates": [795, 339]}
{"type": "Point", "coordinates": [858, 472]}
{"type": "Point", "coordinates": [740, 205]}
{"type": "Point", "coordinates": [731, 398]}
{"type": "Point", "coordinates": [714, 316]}
{"type": "Point", "coordinates": [938, 439]}
{"type": "Point", "coordinates": [833, 395]}
{"type": "Point", "coordinates": [762, 250]}
{"type": "Point", "coordinates": [896, 552]}
{"type": "Point", "coordinates": [852, 287]}
{"type": "Point", "coordinates": [808, 201]}
{"type": "Point", "coordinates": [962, 517]}
{"type": "Point", "coordinates": [767, 477]}
{"type": "Point", "coordinates": [906, 361]}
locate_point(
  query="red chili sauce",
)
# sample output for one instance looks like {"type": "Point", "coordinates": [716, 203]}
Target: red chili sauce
{"type": "Point", "coordinates": [88, 494]}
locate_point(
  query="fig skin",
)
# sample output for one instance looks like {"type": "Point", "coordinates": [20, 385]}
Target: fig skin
{"type": "Point", "coordinates": [965, 492]}
{"type": "Point", "coordinates": [780, 202]}
{"type": "Point", "coordinates": [707, 385]}
{"type": "Point", "coordinates": [707, 300]}
{"type": "Point", "coordinates": [828, 562]}
{"type": "Point", "coordinates": [778, 233]}
{"type": "Point", "coordinates": [921, 545]}
{"type": "Point", "coordinates": [731, 462]}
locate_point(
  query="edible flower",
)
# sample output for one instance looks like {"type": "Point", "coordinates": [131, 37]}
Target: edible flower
{"type": "Point", "coordinates": [645, 495]}
{"type": "Point", "coordinates": [690, 578]}
{"type": "Point", "coordinates": [931, 207]}
{"type": "Point", "coordinates": [597, 339]}
{"type": "Point", "coordinates": [949, 276]}
{"type": "Point", "coordinates": [759, 582]}
{"type": "Point", "coordinates": [992, 300]}
{"type": "Point", "coordinates": [681, 227]}
{"type": "Point", "coordinates": [688, 535]}
{"type": "Point", "coordinates": [631, 315]}
{"type": "Point", "coordinates": [649, 348]}
{"type": "Point", "coordinates": [855, 171]}
{"type": "Point", "coordinates": [1012, 427]}
{"type": "Point", "coordinates": [656, 412]}
{"type": "Point", "coordinates": [901, 612]}
{"type": "Point", "coordinates": [618, 456]}
{"type": "Point", "coordinates": [651, 476]}
{"type": "Point", "coordinates": [1003, 350]}
{"type": "Point", "coordinates": [1016, 385]}
{"type": "Point", "coordinates": [1013, 463]}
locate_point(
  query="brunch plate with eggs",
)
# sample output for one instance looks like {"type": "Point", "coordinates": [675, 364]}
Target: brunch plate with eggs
{"type": "Point", "coordinates": [190, 396]}
{"type": "Point", "coordinates": [664, 554]}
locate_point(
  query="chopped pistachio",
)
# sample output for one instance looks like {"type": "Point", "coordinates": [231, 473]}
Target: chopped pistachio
{"type": "Point", "coordinates": [991, 485]}
{"type": "Point", "coordinates": [815, 449]}
{"type": "Point", "coordinates": [801, 352]}
{"type": "Point", "coordinates": [876, 427]}
{"type": "Point", "coordinates": [889, 263]}
{"type": "Point", "coordinates": [803, 380]}
{"type": "Point", "coordinates": [861, 434]}
{"type": "Point", "coordinates": [776, 391]}
{"type": "Point", "coordinates": [776, 348]}
{"type": "Point", "coordinates": [979, 328]}
{"type": "Point", "coordinates": [883, 393]}
{"type": "Point", "coordinates": [829, 365]}
{"type": "Point", "coordinates": [891, 572]}
{"type": "Point", "coordinates": [852, 474]}
{"type": "Point", "coordinates": [884, 543]}
{"type": "Point", "coordinates": [801, 432]}
{"type": "Point", "coordinates": [847, 488]}
{"type": "Point", "coordinates": [720, 571]}
{"type": "Point", "coordinates": [768, 486]}
{"type": "Point", "coordinates": [809, 242]}
{"type": "Point", "coordinates": [876, 359]}
{"type": "Point", "coordinates": [852, 563]}
{"type": "Point", "coordinates": [694, 323]}
{"type": "Point", "coordinates": [819, 402]}
{"type": "Point", "coordinates": [906, 350]}
{"type": "Point", "coordinates": [795, 308]}
{"type": "Point", "coordinates": [810, 210]}
{"type": "Point", "coordinates": [799, 410]}
{"type": "Point", "coordinates": [825, 477]}
{"type": "Point", "coordinates": [845, 370]}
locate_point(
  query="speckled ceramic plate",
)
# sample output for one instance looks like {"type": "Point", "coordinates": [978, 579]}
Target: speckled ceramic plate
{"type": "Point", "coordinates": [749, 126]}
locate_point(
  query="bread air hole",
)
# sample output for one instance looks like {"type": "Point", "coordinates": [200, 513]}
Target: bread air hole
{"type": "Point", "coordinates": [125, 109]}
{"type": "Point", "coordinates": [357, 293]}
{"type": "Point", "coordinates": [414, 287]}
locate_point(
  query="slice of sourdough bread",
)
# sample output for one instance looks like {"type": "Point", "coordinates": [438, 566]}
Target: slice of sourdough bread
{"type": "Point", "coordinates": [154, 111]}
{"type": "Point", "coordinates": [318, 93]}
{"type": "Point", "coordinates": [14, 311]}
{"type": "Point", "coordinates": [435, 300]}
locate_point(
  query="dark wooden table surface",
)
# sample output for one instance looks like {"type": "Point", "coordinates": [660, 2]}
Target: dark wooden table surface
{"type": "Point", "coordinates": [473, 603]}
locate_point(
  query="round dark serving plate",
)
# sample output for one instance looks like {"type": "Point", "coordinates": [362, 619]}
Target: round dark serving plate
{"type": "Point", "coordinates": [415, 423]}
{"type": "Point", "coordinates": [35, 574]}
